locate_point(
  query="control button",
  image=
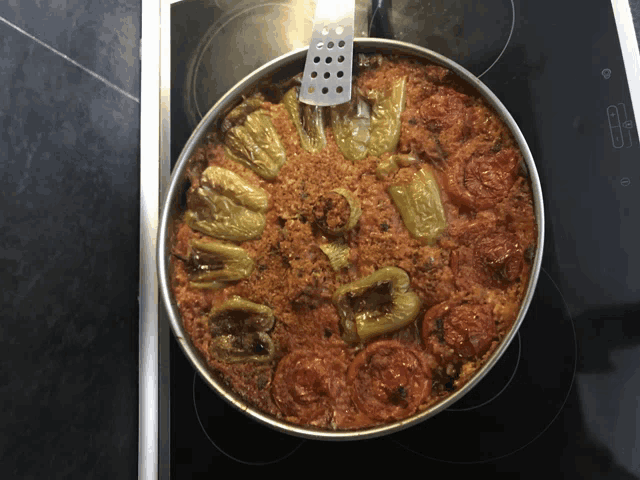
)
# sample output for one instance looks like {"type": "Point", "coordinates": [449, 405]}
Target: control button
{"type": "Point", "coordinates": [626, 123]}
{"type": "Point", "coordinates": [614, 126]}
{"type": "Point", "coordinates": [625, 181]}
{"type": "Point", "coordinates": [614, 118]}
{"type": "Point", "coordinates": [606, 73]}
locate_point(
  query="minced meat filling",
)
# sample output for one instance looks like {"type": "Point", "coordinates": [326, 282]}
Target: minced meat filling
{"type": "Point", "coordinates": [470, 281]}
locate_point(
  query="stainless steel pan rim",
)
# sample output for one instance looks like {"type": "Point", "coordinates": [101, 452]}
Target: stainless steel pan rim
{"type": "Point", "coordinates": [285, 67]}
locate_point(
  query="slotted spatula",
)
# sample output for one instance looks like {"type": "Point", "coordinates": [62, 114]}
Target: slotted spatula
{"type": "Point", "coordinates": [327, 71]}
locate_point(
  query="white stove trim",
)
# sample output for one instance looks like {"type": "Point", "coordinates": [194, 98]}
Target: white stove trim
{"type": "Point", "coordinates": [630, 51]}
{"type": "Point", "coordinates": [154, 330]}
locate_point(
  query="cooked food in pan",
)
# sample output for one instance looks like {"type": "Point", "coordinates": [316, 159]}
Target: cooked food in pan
{"type": "Point", "coordinates": [343, 267]}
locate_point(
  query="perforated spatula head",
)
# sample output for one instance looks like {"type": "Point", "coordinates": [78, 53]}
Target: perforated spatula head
{"type": "Point", "coordinates": [327, 71]}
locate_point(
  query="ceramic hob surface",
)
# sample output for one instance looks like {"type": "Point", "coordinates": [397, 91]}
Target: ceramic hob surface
{"type": "Point", "coordinates": [564, 397]}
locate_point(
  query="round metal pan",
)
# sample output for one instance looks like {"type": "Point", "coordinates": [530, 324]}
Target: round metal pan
{"type": "Point", "coordinates": [277, 71]}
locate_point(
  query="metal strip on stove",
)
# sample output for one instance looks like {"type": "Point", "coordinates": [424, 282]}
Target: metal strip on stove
{"type": "Point", "coordinates": [153, 406]}
{"type": "Point", "coordinates": [149, 203]}
{"type": "Point", "coordinates": [164, 330]}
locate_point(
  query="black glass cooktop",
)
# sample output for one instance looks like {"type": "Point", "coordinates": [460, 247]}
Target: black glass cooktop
{"type": "Point", "coordinates": [564, 397]}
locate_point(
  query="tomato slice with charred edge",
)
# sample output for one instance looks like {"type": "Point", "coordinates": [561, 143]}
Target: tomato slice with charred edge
{"type": "Point", "coordinates": [389, 380]}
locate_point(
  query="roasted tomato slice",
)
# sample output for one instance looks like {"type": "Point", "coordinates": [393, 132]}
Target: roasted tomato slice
{"type": "Point", "coordinates": [307, 384]}
{"type": "Point", "coordinates": [501, 256]}
{"type": "Point", "coordinates": [482, 179]}
{"type": "Point", "coordinates": [456, 331]}
{"type": "Point", "coordinates": [496, 260]}
{"type": "Point", "coordinates": [389, 380]}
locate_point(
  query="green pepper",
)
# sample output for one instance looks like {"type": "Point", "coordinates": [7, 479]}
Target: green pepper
{"type": "Point", "coordinates": [256, 145]}
{"type": "Point", "coordinates": [360, 131]}
{"type": "Point", "coordinates": [420, 206]}
{"type": "Point", "coordinates": [392, 163]}
{"type": "Point", "coordinates": [238, 315]}
{"type": "Point", "coordinates": [308, 120]}
{"type": "Point", "coordinates": [330, 218]}
{"type": "Point", "coordinates": [351, 123]}
{"type": "Point", "coordinates": [337, 253]}
{"type": "Point", "coordinates": [226, 206]}
{"type": "Point", "coordinates": [252, 347]}
{"type": "Point", "coordinates": [239, 331]}
{"type": "Point", "coordinates": [239, 114]}
{"type": "Point", "coordinates": [374, 305]}
{"type": "Point", "coordinates": [385, 118]}
{"type": "Point", "coordinates": [233, 186]}
{"type": "Point", "coordinates": [213, 264]}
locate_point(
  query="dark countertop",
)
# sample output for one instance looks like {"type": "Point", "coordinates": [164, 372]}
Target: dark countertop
{"type": "Point", "coordinates": [69, 238]}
